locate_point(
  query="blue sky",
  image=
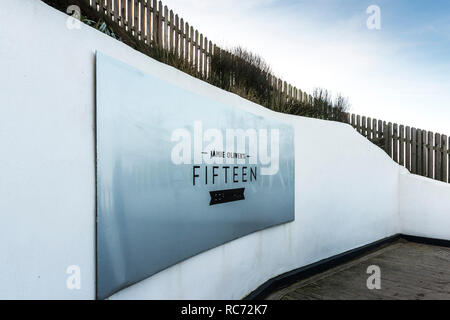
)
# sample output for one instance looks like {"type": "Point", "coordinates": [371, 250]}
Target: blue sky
{"type": "Point", "coordinates": [400, 73]}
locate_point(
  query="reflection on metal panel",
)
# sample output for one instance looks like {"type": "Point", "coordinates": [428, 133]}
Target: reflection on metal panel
{"type": "Point", "coordinates": [179, 173]}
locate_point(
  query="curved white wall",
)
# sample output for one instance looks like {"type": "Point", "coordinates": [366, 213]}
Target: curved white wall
{"type": "Point", "coordinates": [347, 189]}
{"type": "Point", "coordinates": [424, 207]}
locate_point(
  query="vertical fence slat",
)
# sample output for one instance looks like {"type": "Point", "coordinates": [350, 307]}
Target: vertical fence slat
{"type": "Point", "coordinates": [280, 93]}
{"type": "Point", "coordinates": [191, 46]}
{"type": "Point", "coordinates": [165, 28]}
{"type": "Point", "coordinates": [374, 129]}
{"type": "Point", "coordinates": [110, 8]}
{"type": "Point", "coordinates": [187, 43]}
{"type": "Point", "coordinates": [445, 160]}
{"type": "Point", "coordinates": [363, 126]}
{"type": "Point", "coordinates": [160, 24]}
{"type": "Point", "coordinates": [413, 150]}
{"type": "Point", "coordinates": [142, 8]}
{"type": "Point", "coordinates": [123, 13]}
{"type": "Point", "coordinates": [388, 141]}
{"type": "Point", "coordinates": [200, 60]}
{"type": "Point", "coordinates": [136, 18]}
{"type": "Point", "coordinates": [408, 148]}
{"type": "Point", "coordinates": [437, 157]}
{"type": "Point", "coordinates": [116, 10]}
{"type": "Point", "coordinates": [182, 40]}
{"type": "Point", "coordinates": [430, 144]}
{"type": "Point", "coordinates": [275, 92]}
{"type": "Point", "coordinates": [419, 151]}
{"type": "Point", "coordinates": [395, 142]}
{"type": "Point", "coordinates": [424, 153]}
{"type": "Point", "coordinates": [155, 22]}
{"type": "Point", "coordinates": [130, 16]}
{"type": "Point", "coordinates": [148, 16]}
{"type": "Point", "coordinates": [290, 93]}
{"type": "Point", "coordinates": [380, 129]}
{"type": "Point", "coordinates": [196, 51]}
{"type": "Point", "coordinates": [210, 58]}
{"type": "Point", "coordinates": [171, 33]}
{"type": "Point", "coordinates": [369, 128]}
{"type": "Point", "coordinates": [177, 36]}
{"type": "Point", "coordinates": [347, 117]}
{"type": "Point", "coordinates": [401, 145]}
{"type": "Point", "coordinates": [205, 57]}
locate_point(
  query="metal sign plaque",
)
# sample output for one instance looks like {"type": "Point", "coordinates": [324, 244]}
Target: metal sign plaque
{"type": "Point", "coordinates": [179, 173]}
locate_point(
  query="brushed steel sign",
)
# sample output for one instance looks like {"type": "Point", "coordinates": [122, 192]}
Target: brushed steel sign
{"type": "Point", "coordinates": [179, 173]}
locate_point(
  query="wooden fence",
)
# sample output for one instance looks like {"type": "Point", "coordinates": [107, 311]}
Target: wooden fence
{"type": "Point", "coordinates": [156, 25]}
{"type": "Point", "coordinates": [420, 151]}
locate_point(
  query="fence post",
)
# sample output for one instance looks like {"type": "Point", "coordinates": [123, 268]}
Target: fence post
{"type": "Point", "coordinates": [430, 154]}
{"type": "Point", "coordinates": [205, 57]}
{"type": "Point", "coordinates": [424, 153]}
{"type": "Point", "coordinates": [445, 158]}
{"type": "Point", "coordinates": [369, 128]}
{"type": "Point", "coordinates": [109, 8]}
{"type": "Point", "coordinates": [210, 58]}
{"type": "Point", "coordinates": [374, 129]}
{"type": "Point", "coordinates": [182, 40]}
{"type": "Point", "coordinates": [196, 52]}
{"type": "Point", "coordinates": [401, 146]}
{"type": "Point", "coordinates": [155, 23]}
{"type": "Point", "coordinates": [414, 156]}
{"type": "Point", "coordinates": [437, 157]}
{"type": "Point", "coordinates": [200, 62]}
{"type": "Point", "coordinates": [363, 126]}
{"type": "Point", "coordinates": [136, 18]}
{"type": "Point", "coordinates": [149, 23]}
{"type": "Point", "coordinates": [129, 16]}
{"type": "Point", "coordinates": [123, 14]}
{"type": "Point", "coordinates": [395, 142]}
{"type": "Point", "coordinates": [358, 123]}
{"type": "Point", "coordinates": [190, 33]}
{"type": "Point", "coordinates": [408, 148]}
{"type": "Point", "coordinates": [142, 5]}
{"type": "Point", "coordinates": [419, 152]}
{"type": "Point", "coordinates": [380, 129]}
{"type": "Point", "coordinates": [177, 36]}
{"type": "Point", "coordinates": [388, 138]}
{"type": "Point", "coordinates": [116, 11]}
{"type": "Point", "coordinates": [172, 33]}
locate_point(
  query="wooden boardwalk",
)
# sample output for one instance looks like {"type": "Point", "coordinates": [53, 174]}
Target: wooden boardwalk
{"type": "Point", "coordinates": [408, 271]}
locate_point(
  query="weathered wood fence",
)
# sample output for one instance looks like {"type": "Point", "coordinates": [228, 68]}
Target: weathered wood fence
{"type": "Point", "coordinates": [420, 151]}
{"type": "Point", "coordinates": [156, 25]}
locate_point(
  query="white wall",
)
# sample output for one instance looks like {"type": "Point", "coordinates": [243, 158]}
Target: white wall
{"type": "Point", "coordinates": [424, 207]}
{"type": "Point", "coordinates": [347, 189]}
